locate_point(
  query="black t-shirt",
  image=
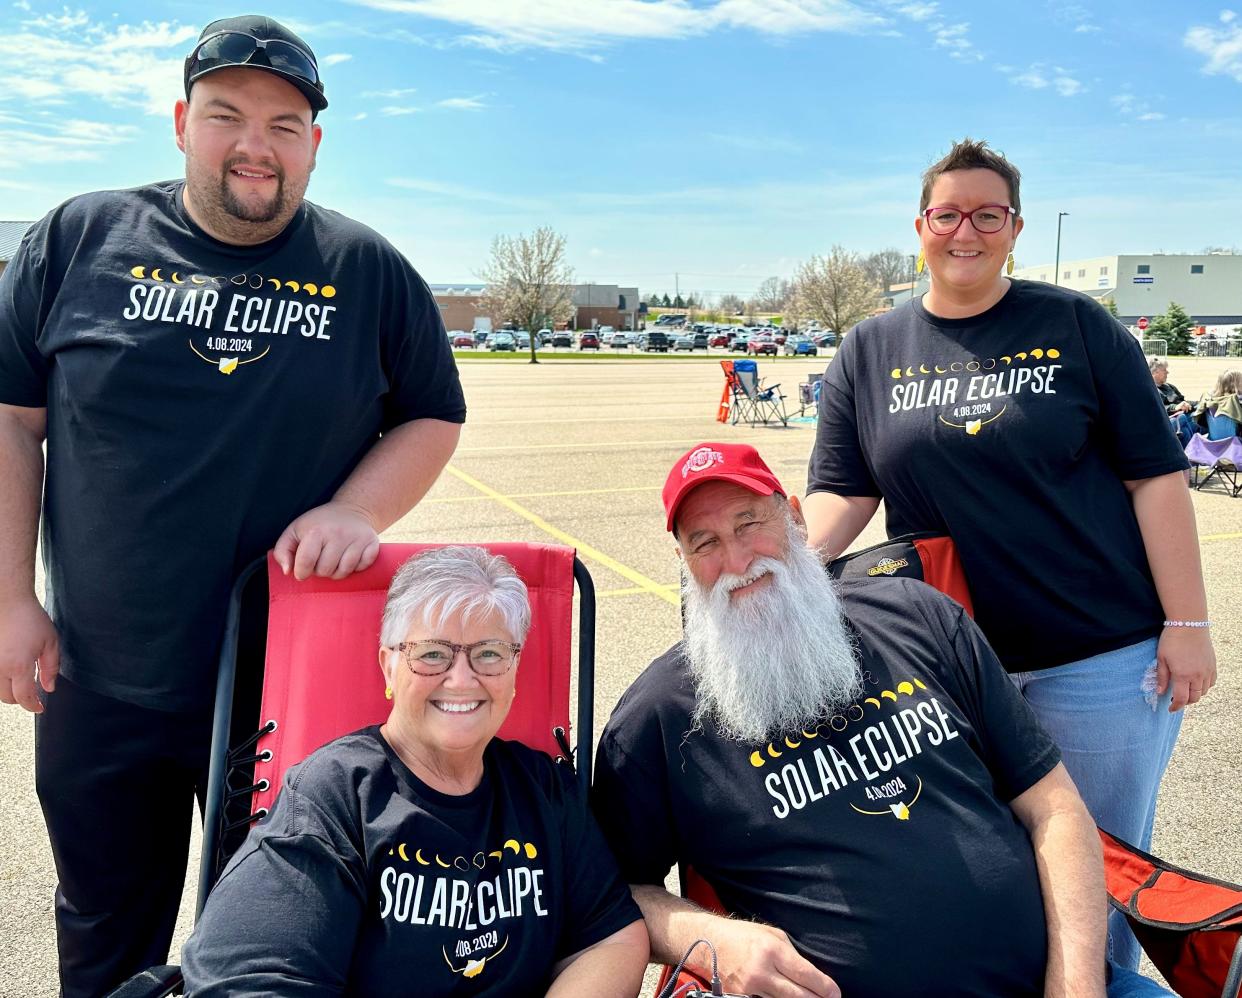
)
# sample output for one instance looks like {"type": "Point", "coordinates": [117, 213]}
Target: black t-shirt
{"type": "Point", "coordinates": [880, 840]}
{"type": "Point", "coordinates": [1170, 397]}
{"type": "Point", "coordinates": [200, 397]}
{"type": "Point", "coordinates": [365, 881]}
{"type": "Point", "coordinates": [1013, 432]}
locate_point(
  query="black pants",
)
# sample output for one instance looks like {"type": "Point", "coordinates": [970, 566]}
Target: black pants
{"type": "Point", "coordinates": [116, 783]}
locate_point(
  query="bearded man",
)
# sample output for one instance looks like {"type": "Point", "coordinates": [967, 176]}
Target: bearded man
{"type": "Point", "coordinates": [218, 367]}
{"type": "Point", "coordinates": [850, 770]}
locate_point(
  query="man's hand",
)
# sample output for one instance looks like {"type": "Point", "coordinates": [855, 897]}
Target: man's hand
{"type": "Point", "coordinates": [27, 636]}
{"type": "Point", "coordinates": [332, 541]}
{"type": "Point", "coordinates": [757, 959]}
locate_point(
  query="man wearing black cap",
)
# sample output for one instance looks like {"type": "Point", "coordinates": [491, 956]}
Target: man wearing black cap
{"type": "Point", "coordinates": [218, 368]}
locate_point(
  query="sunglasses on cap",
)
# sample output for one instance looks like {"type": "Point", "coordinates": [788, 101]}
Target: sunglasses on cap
{"type": "Point", "coordinates": [237, 48]}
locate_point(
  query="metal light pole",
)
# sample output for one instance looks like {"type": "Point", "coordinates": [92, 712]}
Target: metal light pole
{"type": "Point", "coordinates": [913, 273]}
{"type": "Point", "coordinates": [1056, 268]}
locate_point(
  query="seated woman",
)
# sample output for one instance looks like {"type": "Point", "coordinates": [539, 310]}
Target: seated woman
{"type": "Point", "coordinates": [1225, 400]}
{"type": "Point", "coordinates": [425, 856]}
{"type": "Point", "coordinates": [1175, 404]}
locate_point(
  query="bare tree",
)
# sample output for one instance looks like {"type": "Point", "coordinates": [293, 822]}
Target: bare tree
{"type": "Point", "coordinates": [836, 290]}
{"type": "Point", "coordinates": [887, 267]}
{"type": "Point", "coordinates": [731, 304]}
{"type": "Point", "coordinates": [770, 295]}
{"type": "Point", "coordinates": [528, 282]}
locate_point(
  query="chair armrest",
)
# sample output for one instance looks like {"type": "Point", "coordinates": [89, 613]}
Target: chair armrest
{"type": "Point", "coordinates": [155, 982]}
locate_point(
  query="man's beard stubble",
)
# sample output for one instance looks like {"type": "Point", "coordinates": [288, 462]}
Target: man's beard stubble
{"type": "Point", "coordinates": [774, 660]}
{"type": "Point", "coordinates": [228, 215]}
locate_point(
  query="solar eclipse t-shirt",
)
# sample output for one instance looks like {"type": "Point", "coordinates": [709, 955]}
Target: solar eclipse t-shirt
{"type": "Point", "coordinates": [1013, 432]}
{"type": "Point", "coordinates": [880, 838]}
{"type": "Point", "coordinates": [200, 396]}
{"type": "Point", "coordinates": [365, 881]}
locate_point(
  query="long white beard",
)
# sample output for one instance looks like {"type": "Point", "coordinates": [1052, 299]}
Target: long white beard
{"type": "Point", "coordinates": [774, 660]}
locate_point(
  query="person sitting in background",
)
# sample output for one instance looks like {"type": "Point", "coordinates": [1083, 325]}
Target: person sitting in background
{"type": "Point", "coordinates": [425, 856]}
{"type": "Point", "coordinates": [1175, 403]}
{"type": "Point", "coordinates": [1225, 399]}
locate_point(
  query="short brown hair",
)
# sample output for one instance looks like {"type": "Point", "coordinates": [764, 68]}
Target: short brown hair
{"type": "Point", "coordinates": [971, 155]}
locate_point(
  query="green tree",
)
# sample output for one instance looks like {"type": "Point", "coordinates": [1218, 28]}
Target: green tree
{"type": "Point", "coordinates": [679, 302]}
{"type": "Point", "coordinates": [1111, 305]}
{"type": "Point", "coordinates": [1174, 328]}
{"type": "Point", "coordinates": [667, 302]}
{"type": "Point", "coordinates": [528, 282]}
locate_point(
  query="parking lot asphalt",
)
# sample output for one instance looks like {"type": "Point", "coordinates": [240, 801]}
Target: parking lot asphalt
{"type": "Point", "coordinates": [576, 452]}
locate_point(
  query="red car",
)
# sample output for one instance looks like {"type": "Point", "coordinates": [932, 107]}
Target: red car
{"type": "Point", "coordinates": [588, 341]}
{"type": "Point", "coordinates": [719, 340]}
{"type": "Point", "coordinates": [761, 345]}
{"type": "Point", "coordinates": [463, 340]}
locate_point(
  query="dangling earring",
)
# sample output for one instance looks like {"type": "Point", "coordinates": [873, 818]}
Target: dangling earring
{"type": "Point", "coordinates": [920, 263]}
{"type": "Point", "coordinates": [387, 692]}
{"type": "Point", "coordinates": [1009, 264]}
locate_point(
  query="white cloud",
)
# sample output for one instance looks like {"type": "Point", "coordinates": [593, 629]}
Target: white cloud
{"type": "Point", "coordinates": [575, 25]}
{"type": "Point", "coordinates": [1221, 46]}
{"type": "Point", "coordinates": [396, 110]}
{"type": "Point", "coordinates": [336, 58]}
{"type": "Point", "coordinates": [1151, 116]}
{"type": "Point", "coordinates": [390, 94]}
{"type": "Point", "coordinates": [475, 103]}
{"type": "Point", "coordinates": [1228, 16]}
{"type": "Point", "coordinates": [72, 141]}
{"type": "Point", "coordinates": [1125, 103]}
{"type": "Point", "coordinates": [457, 192]}
{"type": "Point", "coordinates": [360, 116]}
{"type": "Point", "coordinates": [919, 11]}
{"type": "Point", "coordinates": [1067, 86]}
{"type": "Point", "coordinates": [1032, 79]}
{"type": "Point", "coordinates": [1040, 77]}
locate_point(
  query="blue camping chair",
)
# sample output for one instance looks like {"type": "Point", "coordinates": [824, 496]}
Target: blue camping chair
{"type": "Point", "coordinates": [753, 402]}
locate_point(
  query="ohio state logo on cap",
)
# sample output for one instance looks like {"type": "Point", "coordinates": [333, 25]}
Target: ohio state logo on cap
{"type": "Point", "coordinates": [701, 460]}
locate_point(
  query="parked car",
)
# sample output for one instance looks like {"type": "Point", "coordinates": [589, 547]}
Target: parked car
{"type": "Point", "coordinates": [618, 341]}
{"type": "Point", "coordinates": [588, 340]}
{"type": "Point", "coordinates": [503, 340]}
{"type": "Point", "coordinates": [824, 339]}
{"type": "Point", "coordinates": [480, 337]}
{"type": "Point", "coordinates": [718, 340]}
{"type": "Point", "coordinates": [653, 340]}
{"type": "Point", "coordinates": [683, 343]}
{"type": "Point", "coordinates": [800, 346]}
{"type": "Point", "coordinates": [562, 339]}
{"type": "Point", "coordinates": [760, 345]}
{"type": "Point", "coordinates": [739, 342]}
{"type": "Point", "coordinates": [545, 337]}
{"type": "Point", "coordinates": [700, 340]}
{"type": "Point", "coordinates": [461, 338]}
{"type": "Point", "coordinates": [523, 339]}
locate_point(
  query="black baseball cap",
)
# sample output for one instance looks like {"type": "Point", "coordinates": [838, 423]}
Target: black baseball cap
{"type": "Point", "coordinates": [256, 42]}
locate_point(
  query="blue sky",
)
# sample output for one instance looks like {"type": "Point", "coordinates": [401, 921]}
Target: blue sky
{"type": "Point", "coordinates": [722, 140]}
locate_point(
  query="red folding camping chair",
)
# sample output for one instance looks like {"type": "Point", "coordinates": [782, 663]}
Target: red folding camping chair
{"type": "Point", "coordinates": [1188, 924]}
{"type": "Point", "coordinates": [321, 679]}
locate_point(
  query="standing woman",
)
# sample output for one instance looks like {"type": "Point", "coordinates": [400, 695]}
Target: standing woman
{"type": "Point", "coordinates": [1018, 418]}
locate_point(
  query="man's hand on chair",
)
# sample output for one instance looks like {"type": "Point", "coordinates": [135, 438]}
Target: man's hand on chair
{"type": "Point", "coordinates": [27, 636]}
{"type": "Point", "coordinates": [757, 959]}
{"type": "Point", "coordinates": [332, 541]}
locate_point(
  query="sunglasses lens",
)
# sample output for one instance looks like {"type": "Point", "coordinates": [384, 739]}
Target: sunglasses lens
{"type": "Point", "coordinates": [231, 48]}
{"type": "Point", "coordinates": [289, 59]}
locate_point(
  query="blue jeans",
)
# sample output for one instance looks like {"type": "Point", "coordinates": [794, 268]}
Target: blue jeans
{"type": "Point", "coordinates": [1116, 737]}
{"type": "Point", "coordinates": [1131, 984]}
{"type": "Point", "coordinates": [1184, 427]}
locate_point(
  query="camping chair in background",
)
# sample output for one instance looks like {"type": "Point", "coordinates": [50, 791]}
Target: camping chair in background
{"type": "Point", "coordinates": [808, 392]}
{"type": "Point", "coordinates": [321, 679]}
{"type": "Point", "coordinates": [757, 403]}
{"type": "Point", "coordinates": [1220, 452]}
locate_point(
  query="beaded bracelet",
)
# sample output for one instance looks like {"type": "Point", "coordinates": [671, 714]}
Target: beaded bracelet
{"type": "Point", "coordinates": [1187, 623]}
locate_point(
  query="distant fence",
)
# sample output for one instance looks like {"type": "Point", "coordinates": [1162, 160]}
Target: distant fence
{"type": "Point", "coordinates": [1156, 348]}
{"type": "Point", "coordinates": [1211, 346]}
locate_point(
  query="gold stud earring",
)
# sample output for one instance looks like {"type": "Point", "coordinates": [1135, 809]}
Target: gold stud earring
{"type": "Point", "coordinates": [920, 263]}
{"type": "Point", "coordinates": [387, 692]}
{"type": "Point", "coordinates": [1009, 264]}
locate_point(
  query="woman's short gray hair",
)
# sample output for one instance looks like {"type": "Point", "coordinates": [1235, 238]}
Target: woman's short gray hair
{"type": "Point", "coordinates": [1157, 364]}
{"type": "Point", "coordinates": [437, 584]}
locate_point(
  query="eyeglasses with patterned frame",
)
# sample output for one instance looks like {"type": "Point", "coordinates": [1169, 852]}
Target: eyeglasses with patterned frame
{"type": "Point", "coordinates": [434, 657]}
{"type": "Point", "coordinates": [987, 218]}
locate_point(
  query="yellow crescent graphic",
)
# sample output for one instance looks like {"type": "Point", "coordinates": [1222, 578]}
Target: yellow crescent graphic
{"type": "Point", "coordinates": [513, 845]}
{"type": "Point", "coordinates": [328, 291]}
{"type": "Point", "coordinates": [176, 278]}
{"type": "Point", "coordinates": [920, 684]}
{"type": "Point", "coordinates": [496, 855]}
{"type": "Point", "coordinates": [809, 734]}
{"type": "Point", "coordinates": [310, 289]}
{"type": "Point", "coordinates": [1007, 360]}
{"type": "Point", "coordinates": [906, 688]}
{"type": "Point", "coordinates": [873, 701]}
{"type": "Point", "coordinates": [440, 862]}
{"type": "Point", "coordinates": [1037, 353]}
{"type": "Point", "coordinates": [909, 372]}
{"type": "Point", "coordinates": [1020, 356]}
{"type": "Point", "coordinates": [155, 275]}
{"type": "Point", "coordinates": [401, 852]}
{"type": "Point", "coordinates": [274, 283]}
{"type": "Point", "coordinates": [293, 285]}
{"type": "Point", "coordinates": [1054, 353]}
{"type": "Point", "coordinates": [756, 760]}
{"type": "Point", "coordinates": [792, 744]}
{"type": "Point", "coordinates": [198, 279]}
{"type": "Point", "coordinates": [923, 369]}
{"type": "Point", "coordinates": [896, 372]}
{"type": "Point", "coordinates": [418, 858]}
{"type": "Point", "coordinates": [774, 753]}
{"type": "Point", "coordinates": [530, 850]}
{"type": "Point", "coordinates": [888, 695]}
{"type": "Point", "coordinates": [138, 272]}
{"type": "Point", "coordinates": [977, 423]}
{"type": "Point", "coordinates": [941, 370]}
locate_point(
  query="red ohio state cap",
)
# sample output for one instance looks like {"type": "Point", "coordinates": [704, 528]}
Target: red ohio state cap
{"type": "Point", "coordinates": [737, 463]}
